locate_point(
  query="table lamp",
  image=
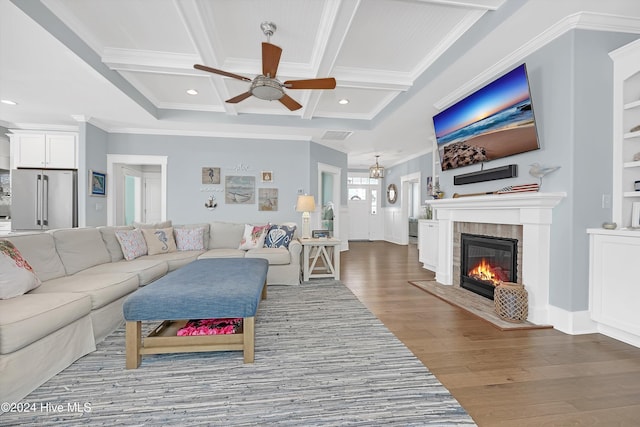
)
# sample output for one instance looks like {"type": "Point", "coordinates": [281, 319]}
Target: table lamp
{"type": "Point", "coordinates": [305, 205]}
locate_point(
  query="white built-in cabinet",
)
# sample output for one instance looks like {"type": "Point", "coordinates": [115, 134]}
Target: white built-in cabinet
{"type": "Point", "coordinates": [428, 243]}
{"type": "Point", "coordinates": [614, 289]}
{"type": "Point", "coordinates": [626, 143]}
{"type": "Point", "coordinates": [53, 150]}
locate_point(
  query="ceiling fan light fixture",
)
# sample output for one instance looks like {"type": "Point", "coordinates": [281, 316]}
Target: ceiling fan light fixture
{"type": "Point", "coordinates": [265, 88]}
{"type": "Point", "coordinates": [376, 171]}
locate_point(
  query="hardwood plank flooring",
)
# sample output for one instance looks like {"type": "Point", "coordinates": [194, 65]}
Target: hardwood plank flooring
{"type": "Point", "coordinates": [502, 378]}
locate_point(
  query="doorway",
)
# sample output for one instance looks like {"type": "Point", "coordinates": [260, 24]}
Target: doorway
{"type": "Point", "coordinates": [410, 206]}
{"type": "Point", "coordinates": [329, 198]}
{"type": "Point", "coordinates": [137, 189]}
{"type": "Point", "coordinates": [364, 205]}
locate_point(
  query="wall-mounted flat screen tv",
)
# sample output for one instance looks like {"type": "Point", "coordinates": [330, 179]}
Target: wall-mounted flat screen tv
{"type": "Point", "coordinates": [493, 122]}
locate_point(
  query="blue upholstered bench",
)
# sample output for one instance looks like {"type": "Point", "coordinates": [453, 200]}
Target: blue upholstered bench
{"type": "Point", "coordinates": [203, 289]}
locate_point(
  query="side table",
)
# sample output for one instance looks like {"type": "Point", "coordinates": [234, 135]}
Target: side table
{"type": "Point", "coordinates": [326, 250]}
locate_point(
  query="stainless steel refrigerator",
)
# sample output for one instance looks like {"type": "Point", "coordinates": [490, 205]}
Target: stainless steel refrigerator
{"type": "Point", "coordinates": [43, 199]}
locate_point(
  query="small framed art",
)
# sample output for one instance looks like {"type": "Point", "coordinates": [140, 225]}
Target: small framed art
{"type": "Point", "coordinates": [320, 234]}
{"type": "Point", "coordinates": [97, 183]}
{"type": "Point", "coordinates": [267, 176]}
{"type": "Point", "coordinates": [211, 175]}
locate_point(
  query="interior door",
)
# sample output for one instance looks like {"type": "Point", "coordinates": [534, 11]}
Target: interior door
{"type": "Point", "coordinates": [152, 211]}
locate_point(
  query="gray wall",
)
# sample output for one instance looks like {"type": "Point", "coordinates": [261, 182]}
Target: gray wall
{"type": "Point", "coordinates": [571, 88]}
{"type": "Point", "coordinates": [321, 154]}
{"type": "Point", "coordinates": [394, 174]}
{"type": "Point", "coordinates": [290, 161]}
{"type": "Point", "coordinates": [95, 142]}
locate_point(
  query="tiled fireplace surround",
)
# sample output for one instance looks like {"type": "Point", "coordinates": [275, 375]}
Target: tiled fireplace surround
{"type": "Point", "coordinates": [523, 216]}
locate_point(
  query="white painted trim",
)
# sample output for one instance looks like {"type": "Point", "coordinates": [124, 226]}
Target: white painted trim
{"type": "Point", "coordinates": [338, 229]}
{"type": "Point", "coordinates": [113, 159]}
{"type": "Point", "coordinates": [571, 322]}
{"type": "Point", "coordinates": [404, 204]}
{"type": "Point", "coordinates": [581, 20]}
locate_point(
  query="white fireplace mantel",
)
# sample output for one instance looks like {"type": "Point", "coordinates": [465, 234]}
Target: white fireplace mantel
{"type": "Point", "coordinates": [531, 210]}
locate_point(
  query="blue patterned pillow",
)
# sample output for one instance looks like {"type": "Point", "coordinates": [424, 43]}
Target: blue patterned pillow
{"type": "Point", "coordinates": [279, 236]}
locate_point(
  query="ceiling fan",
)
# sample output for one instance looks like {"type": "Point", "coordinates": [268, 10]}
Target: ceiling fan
{"type": "Point", "coordinates": [266, 86]}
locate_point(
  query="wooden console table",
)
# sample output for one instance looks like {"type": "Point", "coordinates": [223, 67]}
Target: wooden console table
{"type": "Point", "coordinates": [326, 250]}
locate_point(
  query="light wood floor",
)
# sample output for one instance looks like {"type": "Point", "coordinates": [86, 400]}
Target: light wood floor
{"type": "Point", "coordinates": [510, 378]}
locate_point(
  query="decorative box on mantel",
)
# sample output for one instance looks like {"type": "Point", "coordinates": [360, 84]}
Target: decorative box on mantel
{"type": "Point", "coordinates": [533, 211]}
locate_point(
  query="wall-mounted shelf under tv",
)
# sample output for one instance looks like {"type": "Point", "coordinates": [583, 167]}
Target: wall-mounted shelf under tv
{"type": "Point", "coordinates": [502, 172]}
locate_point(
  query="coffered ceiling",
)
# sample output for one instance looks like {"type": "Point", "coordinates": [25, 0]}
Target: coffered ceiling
{"type": "Point", "coordinates": [126, 65]}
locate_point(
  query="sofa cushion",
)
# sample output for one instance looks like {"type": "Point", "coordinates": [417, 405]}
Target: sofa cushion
{"type": "Point", "coordinates": [163, 224]}
{"type": "Point", "coordinates": [225, 235]}
{"type": "Point", "coordinates": [30, 317]}
{"type": "Point", "coordinates": [16, 275]}
{"type": "Point", "coordinates": [176, 259]}
{"type": "Point", "coordinates": [275, 256]}
{"type": "Point", "coordinates": [80, 248]}
{"type": "Point", "coordinates": [189, 239]}
{"type": "Point", "coordinates": [223, 253]}
{"type": "Point", "coordinates": [40, 251]}
{"type": "Point", "coordinates": [253, 236]}
{"type": "Point", "coordinates": [279, 236]}
{"type": "Point", "coordinates": [111, 242]}
{"type": "Point", "coordinates": [102, 288]}
{"type": "Point", "coordinates": [132, 243]}
{"type": "Point", "coordinates": [147, 270]}
{"type": "Point", "coordinates": [205, 237]}
{"type": "Point", "coordinates": [159, 240]}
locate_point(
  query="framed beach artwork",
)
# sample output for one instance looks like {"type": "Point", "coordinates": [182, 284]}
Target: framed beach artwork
{"type": "Point", "coordinates": [97, 183]}
{"type": "Point", "coordinates": [267, 176]}
{"type": "Point", "coordinates": [240, 189]}
{"type": "Point", "coordinates": [267, 199]}
{"type": "Point", "coordinates": [210, 175]}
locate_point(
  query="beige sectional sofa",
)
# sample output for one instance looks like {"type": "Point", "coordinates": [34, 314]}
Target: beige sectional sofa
{"type": "Point", "coordinates": [85, 280]}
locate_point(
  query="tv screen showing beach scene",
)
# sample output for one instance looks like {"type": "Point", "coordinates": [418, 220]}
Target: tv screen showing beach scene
{"type": "Point", "coordinates": [495, 121]}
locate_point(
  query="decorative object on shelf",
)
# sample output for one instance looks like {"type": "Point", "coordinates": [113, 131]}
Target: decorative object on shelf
{"type": "Point", "coordinates": [609, 225]}
{"type": "Point", "coordinates": [540, 172]}
{"type": "Point", "coordinates": [392, 193]}
{"type": "Point", "coordinates": [210, 175]}
{"type": "Point", "coordinates": [320, 234]}
{"type": "Point", "coordinates": [267, 199]}
{"type": "Point", "coordinates": [211, 203]}
{"type": "Point", "coordinates": [240, 189]}
{"type": "Point", "coordinates": [97, 183]}
{"type": "Point", "coordinates": [430, 186]}
{"type": "Point", "coordinates": [635, 129]}
{"type": "Point", "coordinates": [511, 302]}
{"type": "Point", "coordinates": [636, 185]}
{"type": "Point", "coordinates": [305, 204]}
{"type": "Point", "coordinates": [376, 171]}
{"type": "Point", "coordinates": [636, 157]}
{"type": "Point", "coordinates": [524, 188]}
{"type": "Point", "coordinates": [267, 176]}
{"type": "Point", "coordinates": [635, 215]}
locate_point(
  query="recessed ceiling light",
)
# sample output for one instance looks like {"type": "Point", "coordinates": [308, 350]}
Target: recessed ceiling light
{"type": "Point", "coordinates": [343, 101]}
{"type": "Point", "coordinates": [192, 92]}
{"type": "Point", "coordinates": [8, 102]}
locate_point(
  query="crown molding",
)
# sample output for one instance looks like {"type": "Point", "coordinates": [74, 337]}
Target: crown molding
{"type": "Point", "coordinates": [211, 134]}
{"type": "Point", "coordinates": [581, 20]}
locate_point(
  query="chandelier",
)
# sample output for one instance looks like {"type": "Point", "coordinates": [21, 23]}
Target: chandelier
{"type": "Point", "coordinates": [376, 171]}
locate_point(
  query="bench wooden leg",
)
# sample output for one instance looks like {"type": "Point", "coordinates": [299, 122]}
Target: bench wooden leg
{"type": "Point", "coordinates": [133, 343]}
{"type": "Point", "coordinates": [248, 326]}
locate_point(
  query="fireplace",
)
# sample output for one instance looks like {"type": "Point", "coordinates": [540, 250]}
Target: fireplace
{"type": "Point", "coordinates": [485, 261]}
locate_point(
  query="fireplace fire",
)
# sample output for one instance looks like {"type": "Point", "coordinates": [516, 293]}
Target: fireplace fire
{"type": "Point", "coordinates": [486, 261]}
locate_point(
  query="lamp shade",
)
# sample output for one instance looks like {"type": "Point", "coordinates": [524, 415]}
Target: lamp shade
{"type": "Point", "coordinates": [305, 203]}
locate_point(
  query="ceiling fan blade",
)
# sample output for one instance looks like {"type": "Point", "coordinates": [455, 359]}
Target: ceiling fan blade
{"type": "Point", "coordinates": [290, 103]}
{"type": "Point", "coordinates": [270, 59]}
{"type": "Point", "coordinates": [239, 98]}
{"type": "Point", "coordinates": [222, 73]}
{"type": "Point", "coordinates": [326, 83]}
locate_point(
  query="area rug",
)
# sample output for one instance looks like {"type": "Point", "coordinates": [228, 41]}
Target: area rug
{"type": "Point", "coordinates": [472, 303]}
{"type": "Point", "coordinates": [321, 359]}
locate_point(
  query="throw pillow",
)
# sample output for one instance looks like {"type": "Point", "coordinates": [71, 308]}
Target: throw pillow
{"type": "Point", "coordinates": [159, 241]}
{"type": "Point", "coordinates": [189, 239]}
{"type": "Point", "coordinates": [253, 236]}
{"type": "Point", "coordinates": [16, 275]}
{"type": "Point", "coordinates": [279, 236]}
{"type": "Point", "coordinates": [132, 243]}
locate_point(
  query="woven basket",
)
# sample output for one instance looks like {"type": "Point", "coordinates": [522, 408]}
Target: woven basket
{"type": "Point", "coordinates": [511, 302]}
